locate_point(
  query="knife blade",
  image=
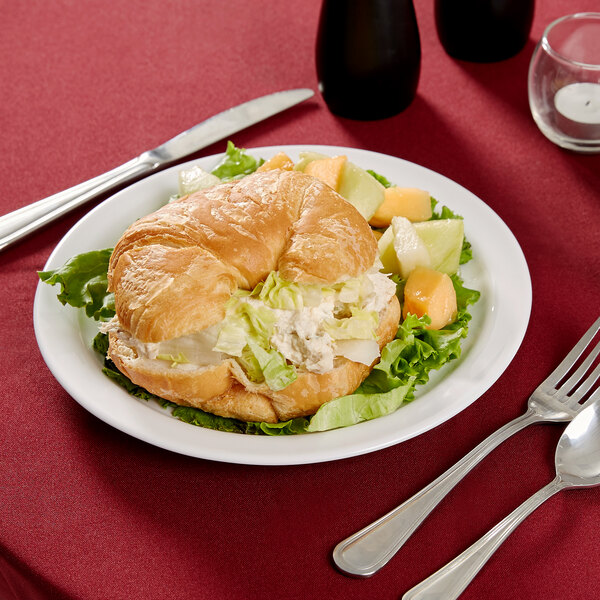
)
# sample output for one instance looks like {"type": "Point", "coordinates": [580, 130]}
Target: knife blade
{"type": "Point", "coordinates": [24, 221]}
{"type": "Point", "coordinates": [230, 121]}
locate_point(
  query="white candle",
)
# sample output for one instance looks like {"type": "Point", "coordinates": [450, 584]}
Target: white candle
{"type": "Point", "coordinates": [578, 110]}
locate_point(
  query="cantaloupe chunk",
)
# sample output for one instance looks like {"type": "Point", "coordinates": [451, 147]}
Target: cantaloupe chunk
{"type": "Point", "coordinates": [355, 184]}
{"type": "Point", "coordinates": [429, 292]}
{"type": "Point", "coordinates": [280, 161]}
{"type": "Point", "coordinates": [412, 203]}
{"type": "Point", "coordinates": [306, 157]}
{"type": "Point", "coordinates": [328, 170]}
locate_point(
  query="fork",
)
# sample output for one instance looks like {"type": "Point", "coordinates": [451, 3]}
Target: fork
{"type": "Point", "coordinates": [556, 399]}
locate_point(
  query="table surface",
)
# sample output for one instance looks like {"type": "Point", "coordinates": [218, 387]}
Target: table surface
{"type": "Point", "coordinates": [89, 513]}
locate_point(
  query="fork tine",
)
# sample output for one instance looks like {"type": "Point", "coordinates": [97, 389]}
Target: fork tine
{"type": "Point", "coordinates": [570, 383]}
{"type": "Point", "coordinates": [585, 387]}
{"type": "Point", "coordinates": [595, 396]}
{"type": "Point", "coordinates": [569, 360]}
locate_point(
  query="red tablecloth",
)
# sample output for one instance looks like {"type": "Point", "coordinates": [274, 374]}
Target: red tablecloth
{"type": "Point", "coordinates": [89, 513]}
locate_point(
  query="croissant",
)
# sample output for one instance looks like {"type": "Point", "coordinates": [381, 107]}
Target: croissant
{"type": "Point", "coordinates": [174, 271]}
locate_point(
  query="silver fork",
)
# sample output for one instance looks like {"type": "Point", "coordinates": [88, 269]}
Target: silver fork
{"type": "Point", "coordinates": [556, 399]}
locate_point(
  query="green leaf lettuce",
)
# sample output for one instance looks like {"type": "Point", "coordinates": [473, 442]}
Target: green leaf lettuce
{"type": "Point", "coordinates": [83, 283]}
{"type": "Point", "coordinates": [235, 164]}
{"type": "Point", "coordinates": [406, 361]}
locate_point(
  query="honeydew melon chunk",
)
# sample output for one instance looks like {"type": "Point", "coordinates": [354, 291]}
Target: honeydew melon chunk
{"type": "Point", "coordinates": [361, 189]}
{"type": "Point", "coordinates": [357, 186]}
{"type": "Point", "coordinates": [411, 251]}
{"type": "Point", "coordinates": [195, 178]}
{"type": "Point", "coordinates": [387, 254]}
{"type": "Point", "coordinates": [443, 239]}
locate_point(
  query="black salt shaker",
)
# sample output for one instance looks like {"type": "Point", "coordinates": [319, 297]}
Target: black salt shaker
{"type": "Point", "coordinates": [483, 30]}
{"type": "Point", "coordinates": [368, 57]}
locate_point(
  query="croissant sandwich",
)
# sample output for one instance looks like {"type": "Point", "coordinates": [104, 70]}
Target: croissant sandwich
{"type": "Point", "coordinates": [258, 299]}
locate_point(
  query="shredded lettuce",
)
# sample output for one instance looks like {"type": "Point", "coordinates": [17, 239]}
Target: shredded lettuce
{"type": "Point", "coordinates": [275, 371]}
{"type": "Point", "coordinates": [191, 415]}
{"type": "Point", "coordinates": [276, 292]}
{"type": "Point", "coordinates": [353, 291]}
{"type": "Point", "coordinates": [250, 320]}
{"type": "Point", "coordinates": [244, 321]}
{"type": "Point", "coordinates": [362, 325]}
{"type": "Point", "coordinates": [245, 333]}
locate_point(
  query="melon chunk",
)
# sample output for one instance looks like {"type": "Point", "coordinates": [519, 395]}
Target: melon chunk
{"type": "Point", "coordinates": [355, 184]}
{"type": "Point", "coordinates": [280, 161]}
{"type": "Point", "coordinates": [307, 157]}
{"type": "Point", "coordinates": [444, 241]}
{"type": "Point", "coordinates": [429, 292]}
{"type": "Point", "coordinates": [410, 249]}
{"type": "Point", "coordinates": [328, 170]}
{"type": "Point", "coordinates": [387, 254]}
{"type": "Point", "coordinates": [361, 189]}
{"type": "Point", "coordinates": [412, 203]}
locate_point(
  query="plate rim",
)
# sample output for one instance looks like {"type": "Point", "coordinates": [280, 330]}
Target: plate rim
{"type": "Point", "coordinates": [281, 450]}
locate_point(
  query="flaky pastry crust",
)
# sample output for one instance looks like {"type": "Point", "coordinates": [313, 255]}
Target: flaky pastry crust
{"type": "Point", "coordinates": [173, 271]}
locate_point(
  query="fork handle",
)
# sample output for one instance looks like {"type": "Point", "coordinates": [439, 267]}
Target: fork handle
{"type": "Point", "coordinates": [23, 221]}
{"type": "Point", "coordinates": [451, 580]}
{"type": "Point", "coordinates": [368, 550]}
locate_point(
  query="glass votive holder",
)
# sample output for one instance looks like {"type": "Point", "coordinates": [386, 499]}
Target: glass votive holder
{"type": "Point", "coordinates": [564, 82]}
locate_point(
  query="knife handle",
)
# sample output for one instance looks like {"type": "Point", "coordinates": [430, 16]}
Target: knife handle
{"type": "Point", "coordinates": [23, 221]}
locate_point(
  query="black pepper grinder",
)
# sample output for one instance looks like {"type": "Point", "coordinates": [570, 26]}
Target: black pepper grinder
{"type": "Point", "coordinates": [483, 30]}
{"type": "Point", "coordinates": [368, 57]}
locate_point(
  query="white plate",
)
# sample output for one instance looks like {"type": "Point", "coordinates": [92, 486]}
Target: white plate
{"type": "Point", "coordinates": [499, 322]}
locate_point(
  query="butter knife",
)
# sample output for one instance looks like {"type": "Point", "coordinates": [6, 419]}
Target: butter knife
{"type": "Point", "coordinates": [23, 221]}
